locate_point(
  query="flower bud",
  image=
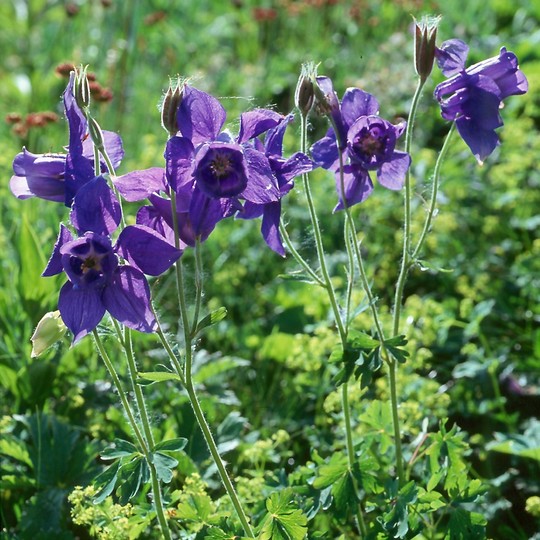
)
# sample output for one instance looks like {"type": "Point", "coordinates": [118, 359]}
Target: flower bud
{"type": "Point", "coordinates": [169, 108]}
{"type": "Point", "coordinates": [81, 89]}
{"type": "Point", "coordinates": [49, 330]}
{"type": "Point", "coordinates": [304, 95]}
{"type": "Point", "coordinates": [95, 133]}
{"type": "Point", "coordinates": [424, 45]}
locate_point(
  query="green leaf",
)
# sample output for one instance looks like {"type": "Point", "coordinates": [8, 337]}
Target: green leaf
{"type": "Point", "coordinates": [15, 449]}
{"type": "Point", "coordinates": [283, 521]}
{"type": "Point", "coordinates": [105, 483]}
{"type": "Point", "coordinates": [366, 366]}
{"type": "Point", "coordinates": [119, 449]}
{"type": "Point", "coordinates": [465, 525]}
{"type": "Point", "coordinates": [212, 318]}
{"type": "Point", "coordinates": [360, 340]}
{"type": "Point", "coordinates": [394, 347]}
{"type": "Point", "coordinates": [172, 445]}
{"type": "Point", "coordinates": [337, 474]}
{"type": "Point", "coordinates": [164, 466]}
{"type": "Point", "coordinates": [396, 522]}
{"type": "Point", "coordinates": [198, 507]}
{"type": "Point", "coordinates": [300, 277]}
{"type": "Point", "coordinates": [150, 377]}
{"type": "Point", "coordinates": [131, 477]}
{"type": "Point", "coordinates": [425, 266]}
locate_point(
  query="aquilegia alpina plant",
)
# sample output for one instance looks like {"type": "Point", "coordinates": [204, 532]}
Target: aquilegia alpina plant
{"type": "Point", "coordinates": [371, 487]}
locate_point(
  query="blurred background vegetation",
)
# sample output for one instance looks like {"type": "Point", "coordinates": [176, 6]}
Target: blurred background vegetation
{"type": "Point", "coordinates": [474, 330]}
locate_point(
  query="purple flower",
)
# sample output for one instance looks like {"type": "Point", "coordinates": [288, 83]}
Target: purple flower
{"type": "Point", "coordinates": [365, 141]}
{"type": "Point", "coordinates": [97, 282]}
{"type": "Point", "coordinates": [58, 177]}
{"type": "Point", "coordinates": [225, 167]}
{"type": "Point", "coordinates": [472, 97]}
{"type": "Point", "coordinates": [209, 170]}
{"type": "Point", "coordinates": [285, 171]}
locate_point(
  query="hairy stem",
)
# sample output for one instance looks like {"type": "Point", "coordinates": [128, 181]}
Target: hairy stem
{"type": "Point", "coordinates": [141, 440]}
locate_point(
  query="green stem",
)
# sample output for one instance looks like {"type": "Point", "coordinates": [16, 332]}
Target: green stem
{"type": "Point", "coordinates": [143, 445]}
{"type": "Point", "coordinates": [400, 285]}
{"type": "Point", "coordinates": [434, 193]}
{"type": "Point", "coordinates": [342, 329]}
{"type": "Point", "coordinates": [187, 376]}
{"type": "Point", "coordinates": [198, 285]}
{"type": "Point", "coordinates": [406, 256]}
{"type": "Point", "coordinates": [297, 257]}
{"type": "Point", "coordinates": [319, 244]}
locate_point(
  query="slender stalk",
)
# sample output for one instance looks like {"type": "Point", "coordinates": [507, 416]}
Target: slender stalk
{"type": "Point", "coordinates": [198, 285]}
{"type": "Point", "coordinates": [406, 256]}
{"type": "Point", "coordinates": [297, 257]}
{"type": "Point", "coordinates": [400, 285]}
{"type": "Point", "coordinates": [342, 328]}
{"type": "Point", "coordinates": [143, 444]}
{"type": "Point", "coordinates": [318, 242]}
{"type": "Point", "coordinates": [434, 192]}
{"type": "Point", "coordinates": [187, 376]}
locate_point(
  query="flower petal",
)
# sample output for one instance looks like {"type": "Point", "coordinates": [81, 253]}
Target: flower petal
{"type": "Point", "coordinates": [482, 142]}
{"type": "Point", "coordinates": [38, 175]}
{"type": "Point", "coordinates": [273, 142]}
{"type": "Point", "coordinates": [96, 208]}
{"type": "Point", "coordinates": [179, 155]}
{"type": "Point", "coordinates": [146, 250]}
{"type": "Point", "coordinates": [138, 185]}
{"type": "Point", "coordinates": [270, 227]}
{"type": "Point", "coordinates": [451, 56]}
{"type": "Point", "coordinates": [200, 116]}
{"type": "Point", "coordinates": [358, 186]}
{"type": "Point", "coordinates": [325, 152]}
{"type": "Point", "coordinates": [127, 299]}
{"type": "Point", "coordinates": [81, 309]}
{"type": "Point", "coordinates": [391, 174]}
{"type": "Point", "coordinates": [54, 266]}
{"type": "Point", "coordinates": [253, 123]}
{"type": "Point", "coordinates": [356, 103]}
{"type": "Point", "coordinates": [262, 186]}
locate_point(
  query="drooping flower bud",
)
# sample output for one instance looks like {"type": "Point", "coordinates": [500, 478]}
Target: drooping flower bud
{"type": "Point", "coordinates": [424, 45]}
{"type": "Point", "coordinates": [49, 330]}
{"type": "Point", "coordinates": [95, 133]}
{"type": "Point", "coordinates": [304, 95]}
{"type": "Point", "coordinates": [81, 89]}
{"type": "Point", "coordinates": [169, 108]}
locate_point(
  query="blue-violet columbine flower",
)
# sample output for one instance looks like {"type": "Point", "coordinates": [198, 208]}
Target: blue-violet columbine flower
{"type": "Point", "coordinates": [472, 97]}
{"type": "Point", "coordinates": [209, 170]}
{"type": "Point", "coordinates": [285, 170]}
{"type": "Point", "coordinates": [365, 141]}
{"type": "Point", "coordinates": [97, 281]}
{"type": "Point", "coordinates": [58, 177]}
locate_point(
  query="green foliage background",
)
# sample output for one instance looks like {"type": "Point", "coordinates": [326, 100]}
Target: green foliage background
{"type": "Point", "coordinates": [473, 332]}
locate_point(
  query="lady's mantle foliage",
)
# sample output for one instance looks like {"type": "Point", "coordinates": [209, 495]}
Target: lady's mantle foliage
{"type": "Point", "coordinates": [362, 141]}
{"type": "Point", "coordinates": [214, 175]}
{"type": "Point", "coordinates": [472, 97]}
{"type": "Point", "coordinates": [97, 282]}
{"type": "Point", "coordinates": [58, 177]}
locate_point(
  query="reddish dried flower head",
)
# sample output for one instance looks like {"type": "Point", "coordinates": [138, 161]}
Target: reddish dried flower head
{"type": "Point", "coordinates": [72, 9]}
{"type": "Point", "coordinates": [104, 96]}
{"type": "Point", "coordinates": [13, 118]}
{"type": "Point", "coordinates": [64, 69]}
{"type": "Point", "coordinates": [261, 14]}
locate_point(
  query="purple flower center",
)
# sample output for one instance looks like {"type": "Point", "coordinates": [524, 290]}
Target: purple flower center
{"type": "Point", "coordinates": [89, 260]}
{"type": "Point", "coordinates": [220, 170]}
{"type": "Point", "coordinates": [371, 141]}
